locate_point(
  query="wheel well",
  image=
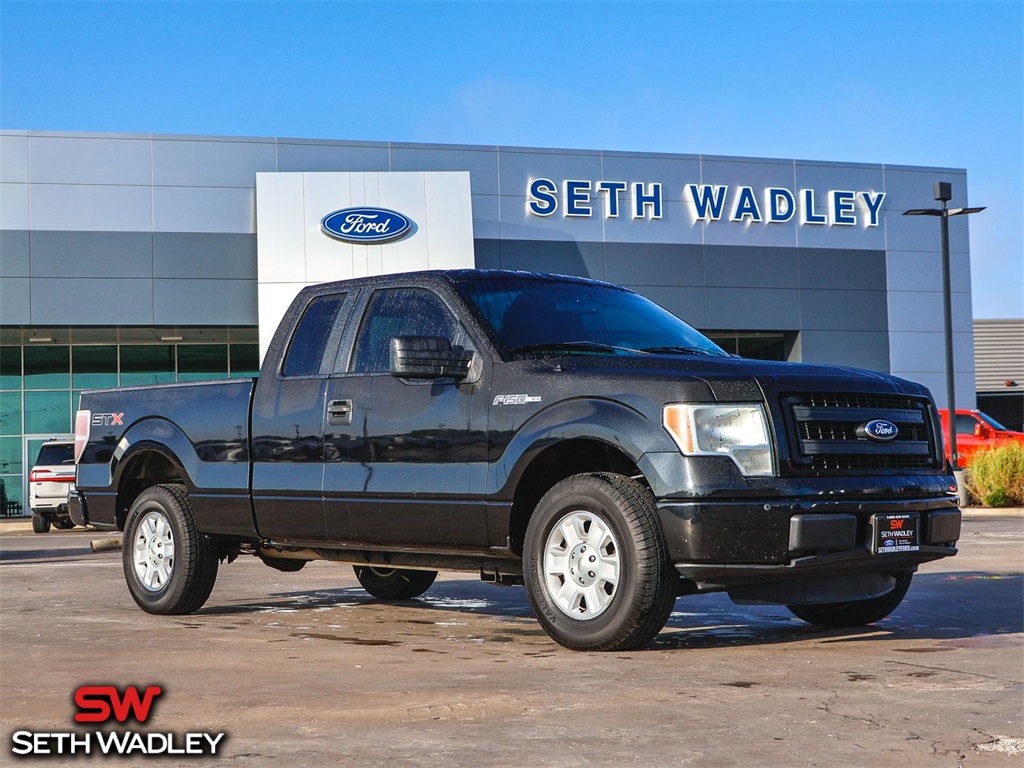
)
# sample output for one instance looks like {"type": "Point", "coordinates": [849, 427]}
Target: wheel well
{"type": "Point", "coordinates": [553, 465]}
{"type": "Point", "coordinates": [142, 471]}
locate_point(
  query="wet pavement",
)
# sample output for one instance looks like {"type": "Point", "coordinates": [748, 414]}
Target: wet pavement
{"type": "Point", "coordinates": [307, 669]}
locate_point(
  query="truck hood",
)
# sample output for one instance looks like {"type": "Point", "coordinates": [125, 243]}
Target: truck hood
{"type": "Point", "coordinates": [732, 378]}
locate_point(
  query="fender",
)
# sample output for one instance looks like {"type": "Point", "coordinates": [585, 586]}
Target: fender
{"type": "Point", "coordinates": [593, 418]}
{"type": "Point", "coordinates": [162, 436]}
{"type": "Point", "coordinates": [219, 489]}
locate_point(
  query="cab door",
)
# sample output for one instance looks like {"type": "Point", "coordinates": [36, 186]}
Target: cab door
{"type": "Point", "coordinates": [405, 460]}
{"type": "Point", "coordinates": [287, 427]}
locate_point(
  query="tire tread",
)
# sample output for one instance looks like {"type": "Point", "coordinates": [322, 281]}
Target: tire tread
{"type": "Point", "coordinates": [198, 567]}
{"type": "Point", "coordinates": [656, 579]}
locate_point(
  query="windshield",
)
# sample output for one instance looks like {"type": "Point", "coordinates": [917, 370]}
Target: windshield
{"type": "Point", "coordinates": [992, 422]}
{"type": "Point", "coordinates": [532, 316]}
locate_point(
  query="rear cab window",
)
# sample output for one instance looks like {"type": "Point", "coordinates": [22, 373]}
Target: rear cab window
{"type": "Point", "coordinates": [314, 331]}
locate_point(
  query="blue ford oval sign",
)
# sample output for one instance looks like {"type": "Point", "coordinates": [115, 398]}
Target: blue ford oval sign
{"type": "Point", "coordinates": [366, 225]}
{"type": "Point", "coordinates": [879, 430]}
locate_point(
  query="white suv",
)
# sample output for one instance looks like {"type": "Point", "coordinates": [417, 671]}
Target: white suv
{"type": "Point", "coordinates": [48, 483]}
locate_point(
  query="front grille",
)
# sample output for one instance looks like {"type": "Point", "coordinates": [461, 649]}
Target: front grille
{"type": "Point", "coordinates": [828, 437]}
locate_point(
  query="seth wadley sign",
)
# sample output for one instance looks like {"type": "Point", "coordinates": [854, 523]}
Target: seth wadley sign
{"type": "Point", "coordinates": [708, 202]}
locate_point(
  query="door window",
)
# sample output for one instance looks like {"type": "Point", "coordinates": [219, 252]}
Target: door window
{"type": "Point", "coordinates": [400, 312]}
{"type": "Point", "coordinates": [965, 424]}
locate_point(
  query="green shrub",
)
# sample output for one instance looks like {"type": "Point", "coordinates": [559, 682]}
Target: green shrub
{"type": "Point", "coordinates": [996, 476]}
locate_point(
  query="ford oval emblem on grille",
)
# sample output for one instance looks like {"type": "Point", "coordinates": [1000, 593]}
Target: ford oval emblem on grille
{"type": "Point", "coordinates": [879, 430]}
{"type": "Point", "coordinates": [366, 225]}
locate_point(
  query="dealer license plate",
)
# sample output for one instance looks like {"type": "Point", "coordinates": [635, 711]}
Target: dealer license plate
{"type": "Point", "coordinates": [895, 532]}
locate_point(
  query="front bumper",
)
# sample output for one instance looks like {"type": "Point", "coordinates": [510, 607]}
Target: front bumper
{"type": "Point", "coordinates": [721, 545]}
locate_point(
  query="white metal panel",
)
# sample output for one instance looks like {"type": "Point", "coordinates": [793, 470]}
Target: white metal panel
{"type": "Point", "coordinates": [280, 228]}
{"type": "Point", "coordinates": [13, 158]}
{"type": "Point", "coordinates": [77, 160]}
{"type": "Point", "coordinates": [204, 209]}
{"type": "Point", "coordinates": [91, 207]}
{"type": "Point", "coordinates": [14, 206]}
{"type": "Point", "coordinates": [197, 163]}
{"type": "Point", "coordinates": [293, 251]}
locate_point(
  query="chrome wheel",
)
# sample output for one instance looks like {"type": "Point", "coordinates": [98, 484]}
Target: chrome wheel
{"type": "Point", "coordinates": [154, 551]}
{"type": "Point", "coordinates": [581, 565]}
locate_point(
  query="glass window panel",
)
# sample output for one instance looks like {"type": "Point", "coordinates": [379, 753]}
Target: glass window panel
{"type": "Point", "coordinates": [965, 424]}
{"type": "Point", "coordinates": [47, 367]}
{"type": "Point", "coordinates": [306, 351]}
{"type": "Point", "coordinates": [147, 364]}
{"type": "Point", "coordinates": [245, 360]}
{"type": "Point", "coordinates": [93, 367]}
{"type": "Point", "coordinates": [10, 490]}
{"type": "Point", "coordinates": [10, 413]}
{"type": "Point", "coordinates": [10, 455]}
{"type": "Point", "coordinates": [400, 312]}
{"type": "Point", "coordinates": [762, 346]}
{"type": "Point", "coordinates": [10, 367]}
{"type": "Point", "coordinates": [48, 413]}
{"type": "Point", "coordinates": [726, 341]}
{"type": "Point", "coordinates": [198, 362]}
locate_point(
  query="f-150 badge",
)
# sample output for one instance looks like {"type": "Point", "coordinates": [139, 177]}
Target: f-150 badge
{"type": "Point", "coordinates": [515, 399]}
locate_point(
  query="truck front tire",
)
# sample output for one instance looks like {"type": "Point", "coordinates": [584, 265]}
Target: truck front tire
{"type": "Point", "coordinates": [169, 565]}
{"type": "Point", "coordinates": [394, 583]}
{"type": "Point", "coordinates": [596, 566]}
{"type": "Point", "coordinates": [855, 613]}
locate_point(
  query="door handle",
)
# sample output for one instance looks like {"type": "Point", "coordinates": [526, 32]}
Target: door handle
{"type": "Point", "coordinates": [339, 412]}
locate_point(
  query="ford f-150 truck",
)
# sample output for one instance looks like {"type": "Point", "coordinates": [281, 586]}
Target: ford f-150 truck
{"type": "Point", "coordinates": [557, 432]}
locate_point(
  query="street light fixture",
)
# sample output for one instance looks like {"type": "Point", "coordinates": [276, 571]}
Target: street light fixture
{"type": "Point", "coordinates": [944, 193]}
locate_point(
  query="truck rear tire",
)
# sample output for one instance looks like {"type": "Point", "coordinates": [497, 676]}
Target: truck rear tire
{"type": "Point", "coordinates": [596, 565]}
{"type": "Point", "coordinates": [64, 524]}
{"type": "Point", "coordinates": [40, 524]}
{"type": "Point", "coordinates": [394, 583]}
{"type": "Point", "coordinates": [169, 565]}
{"type": "Point", "coordinates": [855, 613]}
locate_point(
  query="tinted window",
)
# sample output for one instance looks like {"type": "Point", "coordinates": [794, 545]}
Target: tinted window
{"type": "Point", "coordinates": [306, 351]}
{"type": "Point", "coordinates": [58, 453]}
{"type": "Point", "coordinates": [400, 312]}
{"type": "Point", "coordinates": [530, 314]}
{"type": "Point", "coordinates": [965, 424]}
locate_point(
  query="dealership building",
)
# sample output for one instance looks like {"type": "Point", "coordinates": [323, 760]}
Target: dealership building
{"type": "Point", "coordinates": [134, 259]}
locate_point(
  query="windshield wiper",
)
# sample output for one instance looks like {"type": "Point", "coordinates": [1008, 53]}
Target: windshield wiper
{"type": "Point", "coordinates": [580, 346]}
{"type": "Point", "coordinates": [680, 351]}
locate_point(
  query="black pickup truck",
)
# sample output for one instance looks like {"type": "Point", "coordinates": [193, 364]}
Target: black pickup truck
{"type": "Point", "coordinates": [561, 433]}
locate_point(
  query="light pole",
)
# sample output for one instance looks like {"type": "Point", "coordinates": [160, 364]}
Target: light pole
{"type": "Point", "coordinates": [944, 193]}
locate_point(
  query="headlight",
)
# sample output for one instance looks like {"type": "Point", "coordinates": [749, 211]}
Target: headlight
{"type": "Point", "coordinates": [738, 431]}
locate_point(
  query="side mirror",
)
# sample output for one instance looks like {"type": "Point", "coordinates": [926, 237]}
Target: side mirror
{"type": "Point", "coordinates": [428, 357]}
{"type": "Point", "coordinates": [982, 430]}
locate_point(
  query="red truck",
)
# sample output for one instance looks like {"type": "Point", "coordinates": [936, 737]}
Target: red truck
{"type": "Point", "coordinates": [976, 431]}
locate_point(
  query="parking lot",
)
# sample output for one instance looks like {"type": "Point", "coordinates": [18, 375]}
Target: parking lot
{"type": "Point", "coordinates": [306, 669]}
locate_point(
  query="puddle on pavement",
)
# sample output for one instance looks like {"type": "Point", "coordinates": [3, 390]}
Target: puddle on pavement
{"type": "Point", "coordinates": [341, 639]}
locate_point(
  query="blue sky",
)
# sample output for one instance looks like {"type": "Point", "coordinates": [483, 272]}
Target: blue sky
{"type": "Point", "coordinates": [914, 83]}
